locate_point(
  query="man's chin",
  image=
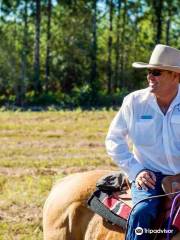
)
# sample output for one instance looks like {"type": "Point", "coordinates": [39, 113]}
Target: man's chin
{"type": "Point", "coordinates": [152, 89]}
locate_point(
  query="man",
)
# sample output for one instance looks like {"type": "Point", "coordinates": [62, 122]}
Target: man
{"type": "Point", "coordinates": [150, 118]}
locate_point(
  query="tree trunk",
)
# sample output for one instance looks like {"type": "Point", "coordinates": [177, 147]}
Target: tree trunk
{"type": "Point", "coordinates": [109, 64]}
{"type": "Point", "coordinates": [93, 78]}
{"type": "Point", "coordinates": [168, 25]}
{"type": "Point", "coordinates": [37, 83]}
{"type": "Point", "coordinates": [48, 48]}
{"type": "Point", "coordinates": [23, 76]}
{"type": "Point", "coordinates": [122, 83]}
{"type": "Point", "coordinates": [158, 7]}
{"type": "Point", "coordinates": [117, 47]}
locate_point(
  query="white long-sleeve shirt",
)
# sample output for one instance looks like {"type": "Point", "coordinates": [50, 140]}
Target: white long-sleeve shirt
{"type": "Point", "coordinates": [155, 136]}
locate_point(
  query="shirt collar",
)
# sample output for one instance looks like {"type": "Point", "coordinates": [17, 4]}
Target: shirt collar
{"type": "Point", "coordinates": [176, 100]}
{"type": "Point", "coordinates": [152, 100]}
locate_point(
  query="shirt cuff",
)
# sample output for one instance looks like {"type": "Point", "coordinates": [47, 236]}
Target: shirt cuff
{"type": "Point", "coordinates": [136, 168]}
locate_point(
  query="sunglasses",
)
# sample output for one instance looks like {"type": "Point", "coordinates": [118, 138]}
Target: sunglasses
{"type": "Point", "coordinates": [154, 72]}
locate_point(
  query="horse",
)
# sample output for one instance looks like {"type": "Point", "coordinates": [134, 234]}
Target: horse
{"type": "Point", "coordinates": [67, 217]}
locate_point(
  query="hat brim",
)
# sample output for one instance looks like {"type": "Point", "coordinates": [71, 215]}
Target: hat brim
{"type": "Point", "coordinates": [162, 67]}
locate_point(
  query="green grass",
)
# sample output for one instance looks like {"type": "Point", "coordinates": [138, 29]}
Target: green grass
{"type": "Point", "coordinates": [38, 148]}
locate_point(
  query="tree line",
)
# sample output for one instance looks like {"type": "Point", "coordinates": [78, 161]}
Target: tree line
{"type": "Point", "coordinates": [79, 53]}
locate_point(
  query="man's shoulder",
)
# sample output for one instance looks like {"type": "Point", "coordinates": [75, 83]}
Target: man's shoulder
{"type": "Point", "coordinates": [140, 95]}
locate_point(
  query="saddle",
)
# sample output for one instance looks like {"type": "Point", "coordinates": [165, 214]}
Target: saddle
{"type": "Point", "coordinates": [112, 200]}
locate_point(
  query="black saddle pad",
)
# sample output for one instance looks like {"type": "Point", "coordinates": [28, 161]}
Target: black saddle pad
{"type": "Point", "coordinates": [113, 210]}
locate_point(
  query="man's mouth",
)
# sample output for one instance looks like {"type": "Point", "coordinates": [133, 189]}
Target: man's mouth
{"type": "Point", "coordinates": [152, 84]}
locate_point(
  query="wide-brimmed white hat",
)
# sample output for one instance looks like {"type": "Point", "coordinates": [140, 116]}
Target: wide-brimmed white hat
{"type": "Point", "coordinates": [163, 57]}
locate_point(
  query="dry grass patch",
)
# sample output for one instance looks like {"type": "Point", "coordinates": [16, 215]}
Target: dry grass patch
{"type": "Point", "coordinates": [36, 149]}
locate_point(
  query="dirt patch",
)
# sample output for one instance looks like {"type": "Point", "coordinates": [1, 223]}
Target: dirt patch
{"type": "Point", "coordinates": [17, 213]}
{"type": "Point", "coordinates": [91, 144]}
{"type": "Point", "coordinates": [18, 172]}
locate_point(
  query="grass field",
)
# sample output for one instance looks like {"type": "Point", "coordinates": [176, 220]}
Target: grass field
{"type": "Point", "coordinates": [36, 149]}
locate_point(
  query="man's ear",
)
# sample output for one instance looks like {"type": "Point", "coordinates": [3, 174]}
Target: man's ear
{"type": "Point", "coordinates": [176, 76]}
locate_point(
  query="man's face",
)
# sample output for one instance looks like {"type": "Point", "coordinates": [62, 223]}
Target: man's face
{"type": "Point", "coordinates": [161, 82]}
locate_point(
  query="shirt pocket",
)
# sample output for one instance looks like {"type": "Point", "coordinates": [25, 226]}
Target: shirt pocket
{"type": "Point", "coordinates": [145, 133]}
{"type": "Point", "coordinates": [175, 123]}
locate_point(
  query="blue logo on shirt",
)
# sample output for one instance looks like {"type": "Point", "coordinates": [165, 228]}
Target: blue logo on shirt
{"type": "Point", "coordinates": [146, 117]}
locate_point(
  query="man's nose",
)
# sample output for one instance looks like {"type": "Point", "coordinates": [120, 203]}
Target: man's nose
{"type": "Point", "coordinates": [151, 77]}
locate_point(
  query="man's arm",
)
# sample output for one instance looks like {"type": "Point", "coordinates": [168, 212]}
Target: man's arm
{"type": "Point", "coordinates": [116, 142]}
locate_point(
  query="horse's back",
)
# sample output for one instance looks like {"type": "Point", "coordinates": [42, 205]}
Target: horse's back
{"type": "Point", "coordinates": [65, 214]}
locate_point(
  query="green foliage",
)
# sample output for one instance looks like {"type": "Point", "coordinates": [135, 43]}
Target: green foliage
{"type": "Point", "coordinates": [78, 62]}
{"type": "Point", "coordinates": [46, 98]}
{"type": "Point", "coordinates": [82, 96]}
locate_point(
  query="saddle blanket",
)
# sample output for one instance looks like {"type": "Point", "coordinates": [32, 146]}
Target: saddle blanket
{"type": "Point", "coordinates": [117, 206]}
{"type": "Point", "coordinates": [109, 207]}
